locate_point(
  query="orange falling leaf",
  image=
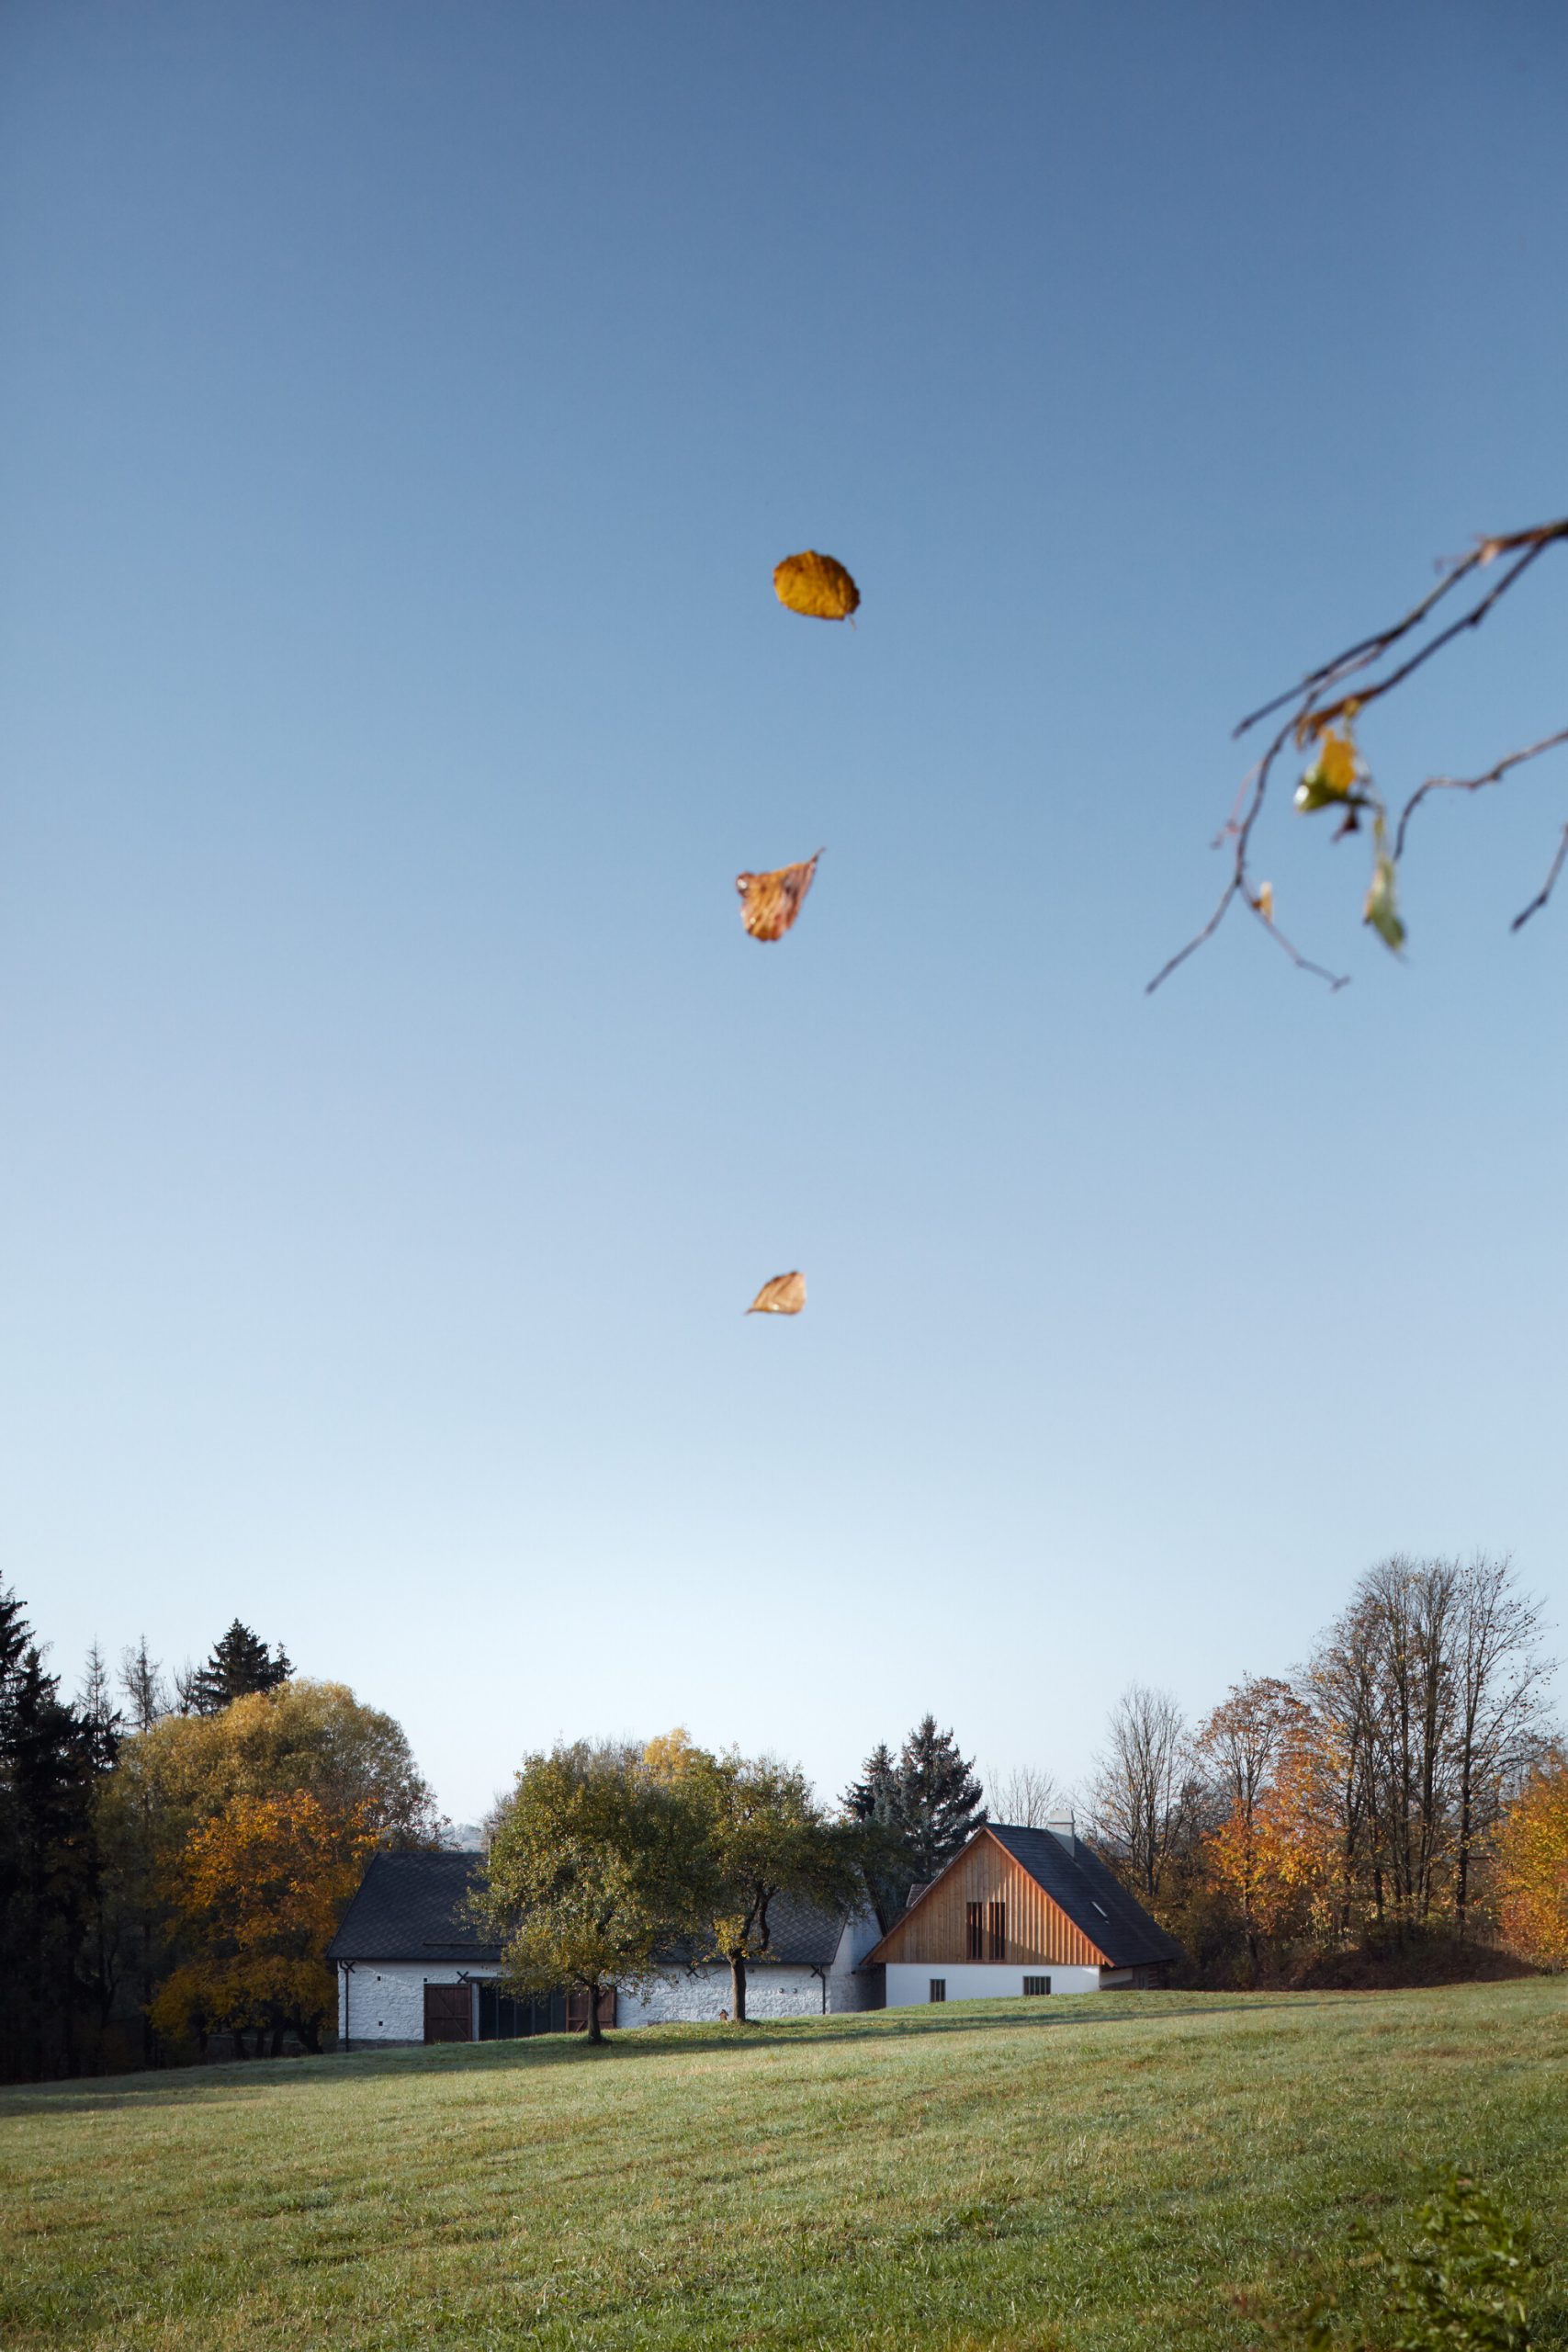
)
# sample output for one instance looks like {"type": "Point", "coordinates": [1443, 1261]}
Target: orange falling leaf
{"type": "Point", "coordinates": [770, 902]}
{"type": "Point", "coordinates": [816, 586]}
{"type": "Point", "coordinates": [785, 1294]}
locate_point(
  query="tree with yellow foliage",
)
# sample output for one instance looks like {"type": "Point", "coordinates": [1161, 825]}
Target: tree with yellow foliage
{"type": "Point", "coordinates": [1533, 1865]}
{"type": "Point", "coordinates": [259, 1890]}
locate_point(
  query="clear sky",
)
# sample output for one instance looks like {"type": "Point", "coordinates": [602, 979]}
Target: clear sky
{"type": "Point", "coordinates": [403, 408]}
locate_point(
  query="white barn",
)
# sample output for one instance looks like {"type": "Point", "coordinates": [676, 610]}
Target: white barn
{"type": "Point", "coordinates": [413, 1966]}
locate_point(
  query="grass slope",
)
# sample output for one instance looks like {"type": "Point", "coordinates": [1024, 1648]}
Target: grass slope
{"type": "Point", "coordinates": [1145, 2169]}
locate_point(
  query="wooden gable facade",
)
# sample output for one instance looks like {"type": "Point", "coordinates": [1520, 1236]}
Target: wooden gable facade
{"type": "Point", "coordinates": [956, 1919]}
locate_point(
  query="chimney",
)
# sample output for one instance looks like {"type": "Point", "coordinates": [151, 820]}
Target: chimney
{"type": "Point", "coordinates": [1061, 1825]}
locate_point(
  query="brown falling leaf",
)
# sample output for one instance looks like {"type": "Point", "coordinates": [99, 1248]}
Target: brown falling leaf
{"type": "Point", "coordinates": [770, 902]}
{"type": "Point", "coordinates": [816, 586]}
{"type": "Point", "coordinates": [785, 1294]}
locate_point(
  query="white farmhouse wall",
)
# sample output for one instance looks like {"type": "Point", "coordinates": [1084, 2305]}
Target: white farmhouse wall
{"type": "Point", "coordinates": [909, 1981]}
{"type": "Point", "coordinates": [385, 1998]}
{"type": "Point", "coordinates": [695, 1997]}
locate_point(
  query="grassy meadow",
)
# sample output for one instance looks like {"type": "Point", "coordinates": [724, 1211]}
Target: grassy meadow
{"type": "Point", "coordinates": [1070, 2176]}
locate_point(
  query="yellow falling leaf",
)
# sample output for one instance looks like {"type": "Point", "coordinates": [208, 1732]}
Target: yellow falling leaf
{"type": "Point", "coordinates": [785, 1294]}
{"type": "Point", "coordinates": [770, 902]}
{"type": "Point", "coordinates": [816, 586]}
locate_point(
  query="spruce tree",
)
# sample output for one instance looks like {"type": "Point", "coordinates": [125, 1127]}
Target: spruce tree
{"type": "Point", "coordinates": [239, 1665]}
{"type": "Point", "coordinates": [937, 1805]}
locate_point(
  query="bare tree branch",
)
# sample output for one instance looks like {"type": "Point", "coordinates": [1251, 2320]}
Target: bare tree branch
{"type": "Point", "coordinates": [1472, 783]}
{"type": "Point", "coordinates": [1547, 887]}
{"type": "Point", "coordinates": [1319, 701]}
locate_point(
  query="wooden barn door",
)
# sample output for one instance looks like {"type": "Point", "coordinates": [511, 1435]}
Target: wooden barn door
{"type": "Point", "coordinates": [577, 2009]}
{"type": "Point", "coordinates": [449, 2013]}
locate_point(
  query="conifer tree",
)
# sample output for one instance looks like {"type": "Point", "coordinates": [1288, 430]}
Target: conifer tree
{"type": "Point", "coordinates": [239, 1664]}
{"type": "Point", "coordinates": [938, 1802]}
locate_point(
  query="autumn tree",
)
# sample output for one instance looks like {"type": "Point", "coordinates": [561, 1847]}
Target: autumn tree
{"type": "Point", "coordinates": [1533, 1865]}
{"type": "Point", "coordinates": [597, 1868]}
{"type": "Point", "coordinates": [259, 1890]}
{"type": "Point", "coordinates": [181, 1774]}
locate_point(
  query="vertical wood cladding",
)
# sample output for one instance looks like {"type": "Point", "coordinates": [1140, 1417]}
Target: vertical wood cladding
{"type": "Point", "coordinates": [942, 1926]}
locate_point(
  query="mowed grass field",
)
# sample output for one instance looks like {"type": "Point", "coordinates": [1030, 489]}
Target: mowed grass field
{"type": "Point", "coordinates": [1150, 2170]}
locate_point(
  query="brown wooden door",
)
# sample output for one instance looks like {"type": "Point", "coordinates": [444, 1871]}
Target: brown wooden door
{"type": "Point", "coordinates": [449, 2013]}
{"type": "Point", "coordinates": [577, 2009]}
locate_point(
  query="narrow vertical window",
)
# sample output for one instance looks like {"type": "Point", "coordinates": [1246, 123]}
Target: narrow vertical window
{"type": "Point", "coordinates": [976, 1927]}
{"type": "Point", "coordinates": [999, 1931]}
{"type": "Point", "coordinates": [939, 1988]}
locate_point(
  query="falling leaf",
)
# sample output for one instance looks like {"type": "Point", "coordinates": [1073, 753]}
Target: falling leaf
{"type": "Point", "coordinates": [1264, 901]}
{"type": "Point", "coordinates": [785, 1294]}
{"type": "Point", "coordinates": [816, 584]}
{"type": "Point", "coordinates": [770, 902]}
{"type": "Point", "coordinates": [1381, 910]}
{"type": "Point", "coordinates": [1332, 775]}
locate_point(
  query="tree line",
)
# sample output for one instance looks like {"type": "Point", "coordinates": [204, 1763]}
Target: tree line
{"type": "Point", "coordinates": [1374, 1804]}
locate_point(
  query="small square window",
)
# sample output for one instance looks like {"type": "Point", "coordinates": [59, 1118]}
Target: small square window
{"type": "Point", "coordinates": [939, 1988]}
{"type": "Point", "coordinates": [1037, 1983]}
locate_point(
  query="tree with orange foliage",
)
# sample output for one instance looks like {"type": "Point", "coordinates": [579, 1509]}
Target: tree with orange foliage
{"type": "Point", "coordinates": [1533, 1865]}
{"type": "Point", "coordinates": [259, 1890]}
{"type": "Point", "coordinates": [1249, 1741]}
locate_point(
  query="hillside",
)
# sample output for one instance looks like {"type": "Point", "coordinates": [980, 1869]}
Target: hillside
{"type": "Point", "coordinates": [1155, 2169]}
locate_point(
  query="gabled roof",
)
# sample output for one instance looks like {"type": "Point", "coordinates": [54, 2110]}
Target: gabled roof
{"type": "Point", "coordinates": [413, 1907]}
{"type": "Point", "coordinates": [1079, 1883]}
{"type": "Point", "coordinates": [1093, 1897]}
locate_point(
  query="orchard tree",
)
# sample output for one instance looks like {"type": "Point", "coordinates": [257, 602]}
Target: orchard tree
{"type": "Point", "coordinates": [765, 1837]}
{"type": "Point", "coordinates": [596, 1869]}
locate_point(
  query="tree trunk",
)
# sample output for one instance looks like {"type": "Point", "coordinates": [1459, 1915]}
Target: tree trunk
{"type": "Point", "coordinates": [595, 2033]}
{"type": "Point", "coordinates": [738, 1986]}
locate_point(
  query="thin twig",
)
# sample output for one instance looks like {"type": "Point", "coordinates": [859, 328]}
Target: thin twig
{"type": "Point", "coordinates": [1547, 887]}
{"type": "Point", "coordinates": [1323, 715]}
{"type": "Point", "coordinates": [1472, 783]}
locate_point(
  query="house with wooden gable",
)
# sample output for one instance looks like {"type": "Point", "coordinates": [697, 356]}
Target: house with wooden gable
{"type": "Point", "coordinates": [1021, 1911]}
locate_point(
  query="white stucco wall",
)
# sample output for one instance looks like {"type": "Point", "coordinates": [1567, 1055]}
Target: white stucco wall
{"type": "Point", "coordinates": [909, 1981]}
{"type": "Point", "coordinates": [386, 2000]}
{"type": "Point", "coordinates": [697, 1995]}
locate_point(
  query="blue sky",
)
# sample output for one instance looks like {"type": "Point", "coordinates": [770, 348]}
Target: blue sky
{"type": "Point", "coordinates": [404, 409]}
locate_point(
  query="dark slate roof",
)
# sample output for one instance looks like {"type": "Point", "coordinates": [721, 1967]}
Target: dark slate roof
{"type": "Point", "coordinates": [1093, 1898]}
{"type": "Point", "coordinates": [411, 1907]}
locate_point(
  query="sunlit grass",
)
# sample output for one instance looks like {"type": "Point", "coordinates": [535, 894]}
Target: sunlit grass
{"type": "Point", "coordinates": [1144, 2169]}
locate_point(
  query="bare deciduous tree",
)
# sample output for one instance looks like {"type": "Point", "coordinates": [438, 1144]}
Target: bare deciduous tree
{"type": "Point", "coordinates": [1144, 1793]}
{"type": "Point", "coordinates": [1026, 1797]}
